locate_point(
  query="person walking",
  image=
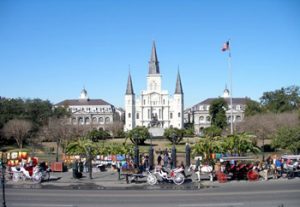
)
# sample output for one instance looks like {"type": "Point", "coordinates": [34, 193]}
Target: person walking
{"type": "Point", "coordinates": [159, 159]}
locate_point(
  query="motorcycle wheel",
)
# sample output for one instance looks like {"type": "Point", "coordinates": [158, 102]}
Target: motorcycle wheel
{"type": "Point", "coordinates": [178, 179]}
{"type": "Point", "coordinates": [151, 179]}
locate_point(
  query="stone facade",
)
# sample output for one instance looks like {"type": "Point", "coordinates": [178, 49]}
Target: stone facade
{"type": "Point", "coordinates": [154, 107]}
{"type": "Point", "coordinates": [199, 113]}
{"type": "Point", "coordinates": [96, 113]}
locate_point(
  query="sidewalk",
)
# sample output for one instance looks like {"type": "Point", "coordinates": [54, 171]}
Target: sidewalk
{"type": "Point", "coordinates": [106, 179]}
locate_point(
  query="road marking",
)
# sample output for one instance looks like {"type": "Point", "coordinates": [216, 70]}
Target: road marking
{"type": "Point", "coordinates": [168, 194]}
{"type": "Point", "coordinates": [210, 204]}
{"type": "Point", "coordinates": [41, 205]}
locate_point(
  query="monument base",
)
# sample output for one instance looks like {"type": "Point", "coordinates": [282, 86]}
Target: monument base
{"type": "Point", "coordinates": [156, 132]}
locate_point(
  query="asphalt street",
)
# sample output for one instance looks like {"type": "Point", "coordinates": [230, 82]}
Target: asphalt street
{"type": "Point", "coordinates": [273, 193]}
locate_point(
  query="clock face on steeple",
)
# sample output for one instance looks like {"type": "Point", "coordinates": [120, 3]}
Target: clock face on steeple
{"type": "Point", "coordinates": [153, 85]}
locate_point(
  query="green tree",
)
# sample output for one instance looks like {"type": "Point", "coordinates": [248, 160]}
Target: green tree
{"type": "Point", "coordinates": [114, 149]}
{"type": "Point", "coordinates": [240, 144]}
{"type": "Point", "coordinates": [138, 134]}
{"type": "Point", "coordinates": [206, 146]}
{"type": "Point", "coordinates": [217, 113]}
{"type": "Point", "coordinates": [282, 100]}
{"type": "Point", "coordinates": [82, 146]}
{"type": "Point", "coordinates": [177, 133]}
{"type": "Point", "coordinates": [60, 112]}
{"type": "Point", "coordinates": [38, 111]}
{"type": "Point", "coordinates": [252, 108]}
{"type": "Point", "coordinates": [287, 138]}
{"type": "Point", "coordinates": [96, 135]}
{"type": "Point", "coordinates": [212, 131]}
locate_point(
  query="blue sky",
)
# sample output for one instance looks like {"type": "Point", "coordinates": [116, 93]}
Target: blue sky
{"type": "Point", "coordinates": [51, 49]}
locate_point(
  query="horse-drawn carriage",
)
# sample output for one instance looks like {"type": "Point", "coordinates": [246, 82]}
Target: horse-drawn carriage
{"type": "Point", "coordinates": [237, 168]}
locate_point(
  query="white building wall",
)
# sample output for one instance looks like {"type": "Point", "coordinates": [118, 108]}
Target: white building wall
{"type": "Point", "coordinates": [129, 112]}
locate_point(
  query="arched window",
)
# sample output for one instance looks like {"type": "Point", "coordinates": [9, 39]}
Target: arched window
{"type": "Point", "coordinates": [94, 120]}
{"type": "Point", "coordinates": [80, 120]}
{"type": "Point", "coordinates": [238, 118]}
{"type": "Point", "coordinates": [101, 119]}
{"type": "Point", "coordinates": [107, 120]}
{"type": "Point", "coordinates": [87, 120]}
{"type": "Point", "coordinates": [208, 118]}
{"type": "Point", "coordinates": [74, 121]}
{"type": "Point", "coordinates": [229, 118]}
{"type": "Point", "coordinates": [179, 114]}
{"type": "Point", "coordinates": [201, 118]}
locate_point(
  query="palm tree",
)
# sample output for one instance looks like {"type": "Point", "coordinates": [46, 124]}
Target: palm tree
{"type": "Point", "coordinates": [81, 146]}
{"type": "Point", "coordinates": [206, 147]}
{"type": "Point", "coordinates": [240, 144]}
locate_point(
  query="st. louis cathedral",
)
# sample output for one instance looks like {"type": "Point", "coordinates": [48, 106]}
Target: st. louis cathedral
{"type": "Point", "coordinates": [154, 107]}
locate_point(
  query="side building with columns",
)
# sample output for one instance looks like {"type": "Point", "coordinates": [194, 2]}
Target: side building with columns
{"type": "Point", "coordinates": [154, 107]}
{"type": "Point", "coordinates": [95, 113]}
{"type": "Point", "coordinates": [200, 117]}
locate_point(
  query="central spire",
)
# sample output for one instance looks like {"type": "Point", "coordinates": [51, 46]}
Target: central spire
{"type": "Point", "coordinates": [153, 63]}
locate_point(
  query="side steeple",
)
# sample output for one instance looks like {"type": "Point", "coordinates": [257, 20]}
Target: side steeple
{"type": "Point", "coordinates": [178, 89]}
{"type": "Point", "coordinates": [129, 89]}
{"type": "Point", "coordinates": [153, 63]}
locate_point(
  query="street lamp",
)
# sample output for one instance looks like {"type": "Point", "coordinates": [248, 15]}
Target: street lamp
{"type": "Point", "coordinates": [173, 151]}
{"type": "Point", "coordinates": [187, 155]}
{"type": "Point", "coordinates": [136, 151]}
{"type": "Point", "coordinates": [151, 157]}
{"type": "Point", "coordinates": [3, 162]}
{"type": "Point", "coordinates": [90, 162]}
{"type": "Point", "coordinates": [263, 148]}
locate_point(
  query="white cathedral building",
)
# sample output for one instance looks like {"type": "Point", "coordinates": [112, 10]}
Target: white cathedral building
{"type": "Point", "coordinates": [154, 107]}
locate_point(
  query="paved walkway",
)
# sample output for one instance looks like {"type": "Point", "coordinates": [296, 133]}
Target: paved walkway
{"type": "Point", "coordinates": [107, 178]}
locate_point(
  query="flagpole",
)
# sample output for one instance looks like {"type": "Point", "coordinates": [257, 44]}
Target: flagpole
{"type": "Point", "coordinates": [230, 79]}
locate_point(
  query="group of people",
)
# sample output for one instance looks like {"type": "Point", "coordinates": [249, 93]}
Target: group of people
{"type": "Point", "coordinates": [277, 166]}
{"type": "Point", "coordinates": [163, 160]}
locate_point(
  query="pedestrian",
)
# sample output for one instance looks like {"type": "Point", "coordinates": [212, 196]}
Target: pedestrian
{"type": "Point", "coordinates": [166, 158]}
{"type": "Point", "coordinates": [159, 158]}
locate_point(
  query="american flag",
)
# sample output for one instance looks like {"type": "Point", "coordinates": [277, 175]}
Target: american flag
{"type": "Point", "coordinates": [225, 46]}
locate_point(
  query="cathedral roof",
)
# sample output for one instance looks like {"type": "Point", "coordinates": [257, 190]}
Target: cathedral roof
{"type": "Point", "coordinates": [129, 89]}
{"type": "Point", "coordinates": [153, 63]}
{"type": "Point", "coordinates": [178, 89]}
{"type": "Point", "coordinates": [79, 102]}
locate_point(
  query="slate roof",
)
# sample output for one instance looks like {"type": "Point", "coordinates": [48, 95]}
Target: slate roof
{"type": "Point", "coordinates": [80, 102]}
{"type": "Point", "coordinates": [153, 63]}
{"type": "Point", "coordinates": [178, 89]}
{"type": "Point", "coordinates": [235, 101]}
{"type": "Point", "coordinates": [129, 89]}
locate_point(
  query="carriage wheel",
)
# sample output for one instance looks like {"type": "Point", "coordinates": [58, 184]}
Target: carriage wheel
{"type": "Point", "coordinates": [252, 175]}
{"type": "Point", "coordinates": [151, 179]}
{"type": "Point", "coordinates": [222, 177]}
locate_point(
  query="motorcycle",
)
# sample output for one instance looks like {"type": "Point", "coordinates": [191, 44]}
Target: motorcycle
{"type": "Point", "coordinates": [175, 175]}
